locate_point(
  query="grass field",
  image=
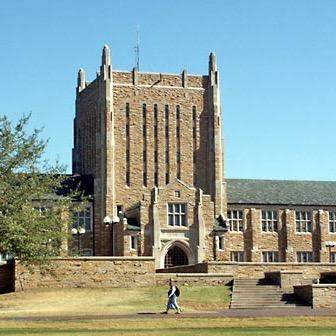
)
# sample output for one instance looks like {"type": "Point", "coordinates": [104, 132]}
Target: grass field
{"type": "Point", "coordinates": [322, 326]}
{"type": "Point", "coordinates": [97, 302]}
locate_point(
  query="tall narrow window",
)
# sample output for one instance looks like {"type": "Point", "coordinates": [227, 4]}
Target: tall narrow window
{"type": "Point", "coordinates": [156, 146]}
{"type": "Point", "coordinates": [303, 221]}
{"type": "Point", "coordinates": [83, 219]}
{"type": "Point", "coordinates": [167, 141]}
{"type": "Point", "coordinates": [144, 141]}
{"type": "Point", "coordinates": [127, 126]}
{"type": "Point", "coordinates": [194, 118]}
{"type": "Point", "coordinates": [269, 221]}
{"type": "Point", "coordinates": [332, 222]}
{"type": "Point", "coordinates": [178, 143]}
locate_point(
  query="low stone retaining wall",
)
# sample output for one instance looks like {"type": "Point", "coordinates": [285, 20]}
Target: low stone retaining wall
{"type": "Point", "coordinates": [88, 272]}
{"type": "Point", "coordinates": [317, 295]}
{"type": "Point", "coordinates": [287, 279]}
{"type": "Point", "coordinates": [309, 271]}
{"type": "Point", "coordinates": [194, 279]}
{"type": "Point", "coordinates": [196, 268]}
{"type": "Point", "coordinates": [324, 295]}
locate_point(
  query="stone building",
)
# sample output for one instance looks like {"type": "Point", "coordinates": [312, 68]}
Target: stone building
{"type": "Point", "coordinates": [152, 143]}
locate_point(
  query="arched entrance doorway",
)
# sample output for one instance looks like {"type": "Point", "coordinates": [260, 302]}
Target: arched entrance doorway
{"type": "Point", "coordinates": [175, 257]}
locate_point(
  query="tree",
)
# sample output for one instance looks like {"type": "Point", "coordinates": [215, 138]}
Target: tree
{"type": "Point", "coordinates": [34, 217]}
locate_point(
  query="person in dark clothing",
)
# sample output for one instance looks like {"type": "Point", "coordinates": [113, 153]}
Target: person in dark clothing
{"type": "Point", "coordinates": [172, 298]}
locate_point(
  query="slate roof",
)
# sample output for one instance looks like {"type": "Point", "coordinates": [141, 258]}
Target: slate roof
{"type": "Point", "coordinates": [281, 192]}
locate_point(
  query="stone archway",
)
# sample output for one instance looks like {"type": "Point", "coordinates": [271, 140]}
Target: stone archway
{"type": "Point", "coordinates": [175, 256]}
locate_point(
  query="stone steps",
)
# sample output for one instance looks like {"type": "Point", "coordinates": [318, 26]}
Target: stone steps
{"type": "Point", "coordinates": [255, 293]}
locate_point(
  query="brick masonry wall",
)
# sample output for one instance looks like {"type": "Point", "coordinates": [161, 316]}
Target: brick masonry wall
{"type": "Point", "coordinates": [88, 272]}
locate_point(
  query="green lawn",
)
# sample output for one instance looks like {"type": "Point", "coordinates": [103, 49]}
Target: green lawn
{"type": "Point", "coordinates": [98, 301]}
{"type": "Point", "coordinates": [321, 326]}
{"type": "Point", "coordinates": [64, 303]}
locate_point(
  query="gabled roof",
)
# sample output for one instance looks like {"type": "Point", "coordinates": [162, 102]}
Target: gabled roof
{"type": "Point", "coordinates": [281, 192]}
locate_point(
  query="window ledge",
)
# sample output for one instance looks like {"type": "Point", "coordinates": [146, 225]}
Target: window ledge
{"type": "Point", "coordinates": [175, 228]}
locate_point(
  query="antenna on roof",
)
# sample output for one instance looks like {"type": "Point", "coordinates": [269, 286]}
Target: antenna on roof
{"type": "Point", "coordinates": [137, 49]}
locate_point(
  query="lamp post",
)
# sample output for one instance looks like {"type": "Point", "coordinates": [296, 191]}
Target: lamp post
{"type": "Point", "coordinates": [109, 222]}
{"type": "Point", "coordinates": [330, 244]}
{"type": "Point", "coordinates": [78, 232]}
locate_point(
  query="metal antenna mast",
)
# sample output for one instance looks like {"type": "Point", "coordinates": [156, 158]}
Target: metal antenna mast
{"type": "Point", "coordinates": [137, 49]}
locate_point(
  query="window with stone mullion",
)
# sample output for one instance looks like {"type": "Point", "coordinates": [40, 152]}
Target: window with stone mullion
{"type": "Point", "coordinates": [333, 257]}
{"type": "Point", "coordinates": [235, 219]}
{"type": "Point", "coordinates": [270, 256]}
{"type": "Point", "coordinates": [303, 221]}
{"type": "Point", "coordinates": [332, 222]}
{"type": "Point", "coordinates": [237, 256]}
{"type": "Point", "coordinates": [177, 214]}
{"type": "Point", "coordinates": [304, 256]}
{"type": "Point", "coordinates": [82, 219]}
{"type": "Point", "coordinates": [269, 221]}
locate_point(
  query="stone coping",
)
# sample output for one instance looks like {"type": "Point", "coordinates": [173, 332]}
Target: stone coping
{"type": "Point", "coordinates": [317, 285]}
{"type": "Point", "coordinates": [323, 285]}
{"type": "Point", "coordinates": [200, 275]}
{"type": "Point", "coordinates": [270, 264]}
{"type": "Point", "coordinates": [290, 272]}
{"type": "Point", "coordinates": [109, 258]}
{"type": "Point", "coordinates": [284, 272]}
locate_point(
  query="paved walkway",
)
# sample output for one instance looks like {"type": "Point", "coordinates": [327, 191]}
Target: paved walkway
{"type": "Point", "coordinates": [232, 313]}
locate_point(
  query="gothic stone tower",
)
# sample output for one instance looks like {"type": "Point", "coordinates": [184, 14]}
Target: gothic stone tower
{"type": "Point", "coordinates": [153, 144]}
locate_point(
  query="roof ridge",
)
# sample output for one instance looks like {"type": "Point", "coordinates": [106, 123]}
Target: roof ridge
{"type": "Point", "coordinates": [276, 180]}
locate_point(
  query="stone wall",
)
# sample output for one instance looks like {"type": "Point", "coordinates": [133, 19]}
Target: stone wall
{"type": "Point", "coordinates": [137, 131]}
{"type": "Point", "coordinates": [324, 296]}
{"type": "Point", "coordinates": [285, 241]}
{"type": "Point", "coordinates": [197, 268]}
{"type": "Point", "coordinates": [286, 279]}
{"type": "Point", "coordinates": [317, 295]}
{"type": "Point", "coordinates": [185, 279]}
{"type": "Point", "coordinates": [88, 272]}
{"type": "Point", "coordinates": [310, 271]}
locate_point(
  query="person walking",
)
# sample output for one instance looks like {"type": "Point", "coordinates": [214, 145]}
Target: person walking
{"type": "Point", "coordinates": [173, 293]}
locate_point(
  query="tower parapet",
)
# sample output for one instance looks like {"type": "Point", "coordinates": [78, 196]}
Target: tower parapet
{"type": "Point", "coordinates": [106, 68]}
{"type": "Point", "coordinates": [81, 80]}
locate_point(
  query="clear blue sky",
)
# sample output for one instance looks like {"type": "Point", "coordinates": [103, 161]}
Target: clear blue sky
{"type": "Point", "coordinates": [277, 62]}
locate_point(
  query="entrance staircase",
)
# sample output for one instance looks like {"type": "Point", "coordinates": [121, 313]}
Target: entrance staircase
{"type": "Point", "coordinates": [257, 293]}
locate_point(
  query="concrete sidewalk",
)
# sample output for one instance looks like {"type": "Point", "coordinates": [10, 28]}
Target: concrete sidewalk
{"type": "Point", "coordinates": [227, 313]}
